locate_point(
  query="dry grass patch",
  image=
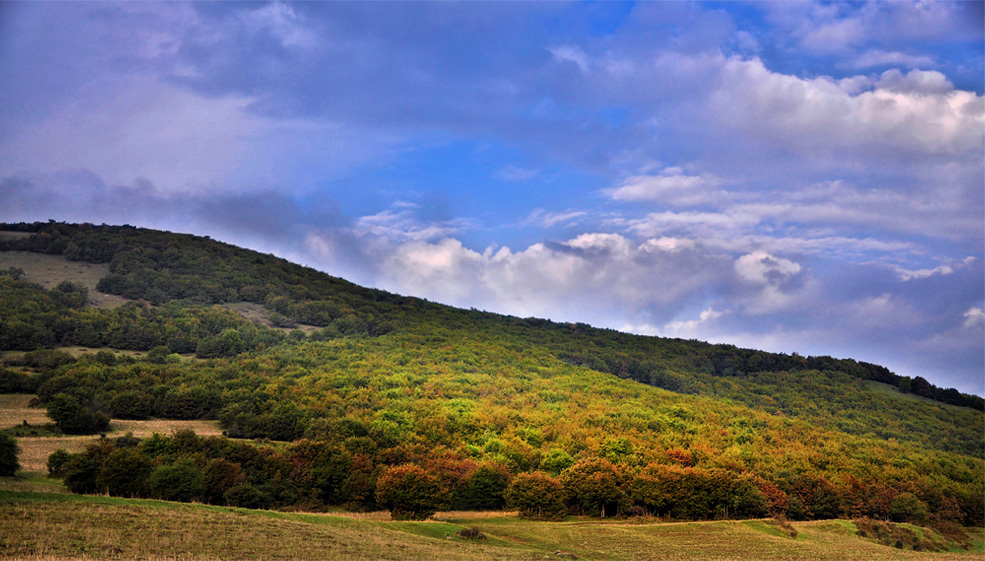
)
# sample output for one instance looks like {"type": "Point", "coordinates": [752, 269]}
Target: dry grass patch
{"type": "Point", "coordinates": [257, 313]}
{"type": "Point", "coordinates": [49, 270]}
{"type": "Point", "coordinates": [6, 235]}
{"type": "Point", "coordinates": [35, 450]}
{"type": "Point", "coordinates": [14, 411]}
{"type": "Point", "coordinates": [79, 529]}
{"type": "Point", "coordinates": [143, 429]}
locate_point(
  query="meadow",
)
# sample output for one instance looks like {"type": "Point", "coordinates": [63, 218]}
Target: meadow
{"type": "Point", "coordinates": [41, 526]}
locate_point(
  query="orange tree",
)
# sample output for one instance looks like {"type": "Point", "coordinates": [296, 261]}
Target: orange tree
{"type": "Point", "coordinates": [536, 495]}
{"type": "Point", "coordinates": [409, 492]}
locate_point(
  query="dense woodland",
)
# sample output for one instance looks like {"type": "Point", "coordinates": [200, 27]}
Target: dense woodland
{"type": "Point", "coordinates": [395, 402]}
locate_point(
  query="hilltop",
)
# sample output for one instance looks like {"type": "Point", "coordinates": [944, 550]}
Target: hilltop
{"type": "Point", "coordinates": [326, 390]}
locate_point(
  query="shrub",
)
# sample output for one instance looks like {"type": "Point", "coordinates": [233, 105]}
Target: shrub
{"type": "Point", "coordinates": [58, 462]}
{"type": "Point", "coordinates": [132, 405]}
{"type": "Point", "coordinates": [73, 418]}
{"type": "Point", "coordinates": [906, 507]}
{"type": "Point", "coordinates": [471, 533]}
{"type": "Point", "coordinates": [8, 455]}
{"type": "Point", "coordinates": [124, 473]}
{"type": "Point", "coordinates": [409, 492]}
{"type": "Point", "coordinates": [246, 496]}
{"type": "Point", "coordinates": [181, 482]}
{"type": "Point", "coordinates": [82, 474]}
{"type": "Point", "coordinates": [219, 477]}
{"type": "Point", "coordinates": [536, 495]}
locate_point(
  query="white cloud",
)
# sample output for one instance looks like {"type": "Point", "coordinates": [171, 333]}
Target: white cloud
{"type": "Point", "coordinates": [915, 81]}
{"type": "Point", "coordinates": [877, 57]}
{"type": "Point", "coordinates": [404, 225]}
{"type": "Point", "coordinates": [945, 269]}
{"type": "Point", "coordinates": [691, 328]}
{"type": "Point", "coordinates": [547, 219]}
{"type": "Point", "coordinates": [283, 22]}
{"type": "Point", "coordinates": [774, 281]}
{"type": "Point", "coordinates": [671, 186]}
{"type": "Point", "coordinates": [568, 53]}
{"type": "Point", "coordinates": [917, 114]}
{"type": "Point", "coordinates": [974, 316]}
{"type": "Point", "coordinates": [762, 268]}
{"type": "Point", "coordinates": [593, 277]}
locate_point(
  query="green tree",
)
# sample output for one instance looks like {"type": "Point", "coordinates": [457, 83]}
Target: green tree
{"type": "Point", "coordinates": [8, 455]}
{"type": "Point", "coordinates": [181, 482]}
{"type": "Point", "coordinates": [74, 418]}
{"type": "Point", "coordinates": [907, 507]}
{"type": "Point", "coordinates": [124, 473]}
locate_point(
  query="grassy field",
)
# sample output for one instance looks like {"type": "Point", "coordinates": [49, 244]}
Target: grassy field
{"type": "Point", "coordinates": [890, 390]}
{"type": "Point", "coordinates": [60, 526]}
{"type": "Point", "coordinates": [35, 450]}
{"type": "Point", "coordinates": [49, 270]}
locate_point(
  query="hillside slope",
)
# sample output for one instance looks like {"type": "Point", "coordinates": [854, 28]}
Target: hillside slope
{"type": "Point", "coordinates": [376, 380]}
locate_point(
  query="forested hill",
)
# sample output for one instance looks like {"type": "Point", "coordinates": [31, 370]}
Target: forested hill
{"type": "Point", "coordinates": [363, 381]}
{"type": "Point", "coordinates": [160, 267]}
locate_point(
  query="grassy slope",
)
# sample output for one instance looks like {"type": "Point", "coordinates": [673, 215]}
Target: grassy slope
{"type": "Point", "coordinates": [46, 526]}
{"type": "Point", "coordinates": [49, 270]}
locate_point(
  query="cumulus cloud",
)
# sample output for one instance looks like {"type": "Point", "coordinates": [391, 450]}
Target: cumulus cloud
{"type": "Point", "coordinates": [918, 113]}
{"type": "Point", "coordinates": [877, 57]}
{"type": "Point", "coordinates": [690, 328]}
{"type": "Point", "coordinates": [777, 282]}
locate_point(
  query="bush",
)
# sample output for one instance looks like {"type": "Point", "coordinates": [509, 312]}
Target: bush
{"type": "Point", "coordinates": [132, 405]}
{"type": "Point", "coordinates": [536, 495]}
{"type": "Point", "coordinates": [246, 496]}
{"type": "Point", "coordinates": [906, 507]}
{"type": "Point", "coordinates": [73, 418]}
{"type": "Point", "coordinates": [124, 473]}
{"type": "Point", "coordinates": [219, 477]}
{"type": "Point", "coordinates": [409, 492]}
{"type": "Point", "coordinates": [8, 455]}
{"type": "Point", "coordinates": [181, 482]}
{"type": "Point", "coordinates": [58, 462]}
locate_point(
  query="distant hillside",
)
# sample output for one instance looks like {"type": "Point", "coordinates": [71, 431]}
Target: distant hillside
{"type": "Point", "coordinates": [375, 380]}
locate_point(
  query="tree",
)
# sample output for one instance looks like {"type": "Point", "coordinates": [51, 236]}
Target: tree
{"type": "Point", "coordinates": [219, 477]}
{"type": "Point", "coordinates": [409, 492]}
{"type": "Point", "coordinates": [74, 418]}
{"type": "Point", "coordinates": [906, 507]}
{"type": "Point", "coordinates": [483, 489]}
{"type": "Point", "coordinates": [536, 495]}
{"type": "Point", "coordinates": [595, 485]}
{"type": "Point", "coordinates": [181, 482]}
{"type": "Point", "coordinates": [124, 473]}
{"type": "Point", "coordinates": [8, 455]}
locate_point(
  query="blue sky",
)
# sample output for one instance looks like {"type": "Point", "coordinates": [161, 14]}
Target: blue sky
{"type": "Point", "coordinates": [795, 177]}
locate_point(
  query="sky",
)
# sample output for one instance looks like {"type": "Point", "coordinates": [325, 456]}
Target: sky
{"type": "Point", "coordinates": [793, 177]}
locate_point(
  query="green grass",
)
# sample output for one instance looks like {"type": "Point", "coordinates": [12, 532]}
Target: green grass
{"type": "Point", "coordinates": [64, 526]}
{"type": "Point", "coordinates": [49, 270]}
{"type": "Point", "coordinates": [890, 390]}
